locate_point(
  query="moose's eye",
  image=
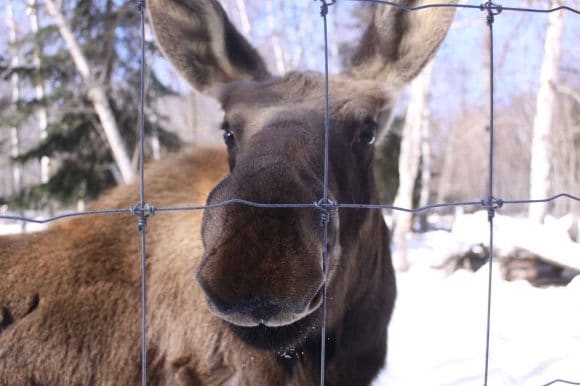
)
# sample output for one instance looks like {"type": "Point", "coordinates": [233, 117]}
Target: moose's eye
{"type": "Point", "coordinates": [368, 133]}
{"type": "Point", "coordinates": [229, 138]}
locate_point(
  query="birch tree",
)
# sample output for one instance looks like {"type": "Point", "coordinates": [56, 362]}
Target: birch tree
{"type": "Point", "coordinates": [425, 165]}
{"type": "Point", "coordinates": [275, 39]}
{"type": "Point", "coordinates": [416, 118]}
{"type": "Point", "coordinates": [540, 178]}
{"type": "Point", "coordinates": [95, 92]}
{"type": "Point", "coordinates": [41, 113]}
{"type": "Point", "coordinates": [245, 25]}
{"type": "Point", "coordinates": [14, 94]}
{"type": "Point", "coordinates": [14, 99]}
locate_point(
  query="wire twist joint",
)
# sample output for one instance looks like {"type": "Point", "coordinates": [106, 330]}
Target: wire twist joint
{"type": "Point", "coordinates": [327, 208]}
{"type": "Point", "coordinates": [143, 211]}
{"type": "Point", "coordinates": [324, 6]}
{"type": "Point", "coordinates": [493, 10]}
{"type": "Point", "coordinates": [492, 204]}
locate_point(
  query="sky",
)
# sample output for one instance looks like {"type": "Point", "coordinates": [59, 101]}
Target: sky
{"type": "Point", "coordinates": [460, 78]}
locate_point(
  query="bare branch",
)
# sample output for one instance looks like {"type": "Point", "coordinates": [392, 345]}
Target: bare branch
{"type": "Point", "coordinates": [563, 89]}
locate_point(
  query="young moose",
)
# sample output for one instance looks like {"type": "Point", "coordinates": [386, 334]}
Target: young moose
{"type": "Point", "coordinates": [234, 296]}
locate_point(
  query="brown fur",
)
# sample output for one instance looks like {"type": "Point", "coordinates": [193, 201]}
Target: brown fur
{"type": "Point", "coordinates": [70, 296]}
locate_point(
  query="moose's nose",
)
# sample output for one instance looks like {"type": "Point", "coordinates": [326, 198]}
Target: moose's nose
{"type": "Point", "coordinates": [260, 310]}
{"type": "Point", "coordinates": [257, 310]}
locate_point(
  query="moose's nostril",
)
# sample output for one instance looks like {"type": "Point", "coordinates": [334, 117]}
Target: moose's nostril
{"type": "Point", "coordinates": [316, 300]}
{"type": "Point", "coordinates": [260, 309]}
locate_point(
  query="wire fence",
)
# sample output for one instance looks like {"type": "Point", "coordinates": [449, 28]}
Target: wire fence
{"type": "Point", "coordinates": [143, 210]}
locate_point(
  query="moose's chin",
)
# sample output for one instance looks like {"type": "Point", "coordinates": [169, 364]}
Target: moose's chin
{"type": "Point", "coordinates": [280, 338]}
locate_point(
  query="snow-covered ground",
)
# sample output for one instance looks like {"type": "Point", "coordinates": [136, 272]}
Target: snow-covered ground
{"type": "Point", "coordinates": [16, 227]}
{"type": "Point", "coordinates": [437, 334]}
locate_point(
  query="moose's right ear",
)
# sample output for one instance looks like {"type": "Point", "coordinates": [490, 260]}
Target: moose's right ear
{"type": "Point", "coordinates": [398, 43]}
{"type": "Point", "coordinates": [202, 44]}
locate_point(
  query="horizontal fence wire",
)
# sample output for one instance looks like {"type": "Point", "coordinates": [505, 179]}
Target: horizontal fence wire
{"type": "Point", "coordinates": [480, 7]}
{"type": "Point", "coordinates": [64, 215]}
{"type": "Point", "coordinates": [557, 381]}
{"type": "Point", "coordinates": [236, 201]}
{"type": "Point", "coordinates": [144, 210]}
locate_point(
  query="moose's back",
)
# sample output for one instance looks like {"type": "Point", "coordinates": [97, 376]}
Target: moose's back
{"type": "Point", "coordinates": [70, 296]}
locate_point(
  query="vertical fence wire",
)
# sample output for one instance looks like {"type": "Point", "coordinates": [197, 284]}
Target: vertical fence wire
{"type": "Point", "coordinates": [143, 304]}
{"type": "Point", "coordinates": [324, 301]}
{"type": "Point", "coordinates": [326, 206]}
{"type": "Point", "coordinates": [490, 20]}
{"type": "Point", "coordinates": [142, 227]}
{"type": "Point", "coordinates": [325, 201]}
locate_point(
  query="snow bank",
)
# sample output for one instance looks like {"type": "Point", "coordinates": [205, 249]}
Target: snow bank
{"type": "Point", "coordinates": [437, 335]}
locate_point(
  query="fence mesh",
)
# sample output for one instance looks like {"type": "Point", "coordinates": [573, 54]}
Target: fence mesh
{"type": "Point", "coordinates": [143, 210]}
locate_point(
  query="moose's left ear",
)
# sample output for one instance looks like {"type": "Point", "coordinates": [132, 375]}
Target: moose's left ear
{"type": "Point", "coordinates": [398, 43]}
{"type": "Point", "coordinates": [202, 43]}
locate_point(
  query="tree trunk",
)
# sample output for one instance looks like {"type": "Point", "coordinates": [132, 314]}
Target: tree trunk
{"type": "Point", "coordinates": [275, 39]}
{"type": "Point", "coordinates": [41, 113]}
{"type": "Point", "coordinates": [245, 24]}
{"type": "Point", "coordinates": [155, 144]}
{"type": "Point", "coordinates": [14, 98]}
{"type": "Point", "coordinates": [425, 166]}
{"type": "Point", "coordinates": [14, 95]}
{"type": "Point", "coordinates": [96, 94]}
{"type": "Point", "coordinates": [540, 178]}
{"type": "Point", "coordinates": [416, 117]}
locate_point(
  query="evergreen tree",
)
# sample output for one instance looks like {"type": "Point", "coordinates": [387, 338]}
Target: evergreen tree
{"type": "Point", "coordinates": [82, 164]}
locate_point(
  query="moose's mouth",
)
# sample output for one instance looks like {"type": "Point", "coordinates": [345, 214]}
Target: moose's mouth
{"type": "Point", "coordinates": [260, 312]}
{"type": "Point", "coordinates": [280, 338]}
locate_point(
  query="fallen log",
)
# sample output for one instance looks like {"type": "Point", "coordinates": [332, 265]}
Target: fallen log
{"type": "Point", "coordinates": [543, 254]}
{"type": "Point", "coordinates": [549, 242]}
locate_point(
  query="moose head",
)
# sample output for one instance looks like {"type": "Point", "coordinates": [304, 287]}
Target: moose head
{"type": "Point", "coordinates": [262, 271]}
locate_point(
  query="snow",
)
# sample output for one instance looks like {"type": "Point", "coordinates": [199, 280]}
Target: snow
{"type": "Point", "coordinates": [15, 227]}
{"type": "Point", "coordinates": [437, 334]}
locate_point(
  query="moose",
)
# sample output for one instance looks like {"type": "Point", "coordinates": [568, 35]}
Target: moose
{"type": "Point", "coordinates": [235, 291]}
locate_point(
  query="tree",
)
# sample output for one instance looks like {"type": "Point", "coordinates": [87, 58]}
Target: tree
{"type": "Point", "coordinates": [83, 164]}
{"type": "Point", "coordinates": [39, 89]}
{"type": "Point", "coordinates": [95, 92]}
{"type": "Point", "coordinates": [413, 131]}
{"type": "Point", "coordinates": [14, 92]}
{"type": "Point", "coordinates": [540, 179]}
{"type": "Point", "coordinates": [14, 97]}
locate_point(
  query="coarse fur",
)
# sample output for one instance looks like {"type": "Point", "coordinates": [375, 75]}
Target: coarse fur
{"type": "Point", "coordinates": [234, 292]}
